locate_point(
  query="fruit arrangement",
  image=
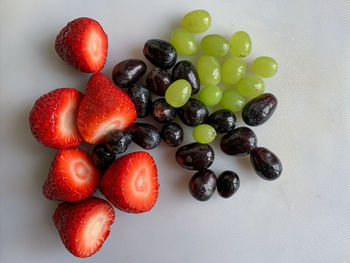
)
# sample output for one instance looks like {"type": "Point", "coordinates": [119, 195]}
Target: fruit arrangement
{"type": "Point", "coordinates": [105, 116]}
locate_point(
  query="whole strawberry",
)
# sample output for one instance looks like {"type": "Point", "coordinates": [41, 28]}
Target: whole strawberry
{"type": "Point", "coordinates": [53, 118]}
{"type": "Point", "coordinates": [83, 44]}
{"type": "Point", "coordinates": [84, 226]}
{"type": "Point", "coordinates": [104, 108]}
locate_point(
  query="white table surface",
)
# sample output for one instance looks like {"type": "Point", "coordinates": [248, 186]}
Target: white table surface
{"type": "Point", "coordinates": [302, 217]}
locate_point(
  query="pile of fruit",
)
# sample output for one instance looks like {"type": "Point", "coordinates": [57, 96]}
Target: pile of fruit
{"type": "Point", "coordinates": [105, 117]}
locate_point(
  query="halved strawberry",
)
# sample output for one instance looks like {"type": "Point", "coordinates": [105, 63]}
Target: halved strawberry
{"type": "Point", "coordinates": [131, 183]}
{"type": "Point", "coordinates": [83, 44]}
{"type": "Point", "coordinates": [53, 118]}
{"type": "Point", "coordinates": [84, 226]}
{"type": "Point", "coordinates": [104, 108]}
{"type": "Point", "coordinates": [72, 176]}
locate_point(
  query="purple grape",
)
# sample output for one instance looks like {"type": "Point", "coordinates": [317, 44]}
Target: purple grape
{"type": "Point", "coordinates": [195, 156]}
{"type": "Point", "coordinates": [186, 70]}
{"type": "Point", "coordinates": [227, 184]}
{"type": "Point", "coordinates": [193, 113]}
{"type": "Point", "coordinates": [158, 80]}
{"type": "Point", "coordinates": [160, 53]}
{"type": "Point", "coordinates": [222, 121]}
{"type": "Point", "coordinates": [145, 135]}
{"type": "Point", "coordinates": [239, 142]}
{"type": "Point", "coordinates": [128, 71]}
{"type": "Point", "coordinates": [266, 164]}
{"type": "Point", "coordinates": [142, 99]}
{"type": "Point", "coordinates": [172, 134]}
{"type": "Point", "coordinates": [259, 110]}
{"type": "Point", "coordinates": [162, 111]}
{"type": "Point", "coordinates": [118, 141]}
{"type": "Point", "coordinates": [202, 185]}
{"type": "Point", "coordinates": [102, 156]}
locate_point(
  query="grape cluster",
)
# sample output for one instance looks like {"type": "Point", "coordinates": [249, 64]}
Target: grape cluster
{"type": "Point", "coordinates": [177, 88]}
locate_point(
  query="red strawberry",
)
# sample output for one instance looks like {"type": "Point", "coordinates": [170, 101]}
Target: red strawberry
{"type": "Point", "coordinates": [131, 183]}
{"type": "Point", "coordinates": [53, 119]}
{"type": "Point", "coordinates": [84, 226]}
{"type": "Point", "coordinates": [83, 44]}
{"type": "Point", "coordinates": [104, 108]}
{"type": "Point", "coordinates": [72, 176]}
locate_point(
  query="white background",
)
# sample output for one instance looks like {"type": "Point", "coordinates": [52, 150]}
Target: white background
{"type": "Point", "coordinates": [302, 217]}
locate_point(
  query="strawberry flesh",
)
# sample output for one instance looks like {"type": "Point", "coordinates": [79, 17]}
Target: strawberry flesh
{"type": "Point", "coordinates": [83, 44]}
{"type": "Point", "coordinates": [53, 118]}
{"type": "Point", "coordinates": [84, 226]}
{"type": "Point", "coordinates": [131, 183]}
{"type": "Point", "coordinates": [72, 176]}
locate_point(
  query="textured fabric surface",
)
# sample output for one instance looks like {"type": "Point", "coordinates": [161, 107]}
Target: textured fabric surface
{"type": "Point", "coordinates": [302, 217]}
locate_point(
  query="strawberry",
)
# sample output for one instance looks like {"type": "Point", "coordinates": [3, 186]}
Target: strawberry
{"type": "Point", "coordinates": [53, 118]}
{"type": "Point", "coordinates": [72, 176]}
{"type": "Point", "coordinates": [83, 44]}
{"type": "Point", "coordinates": [131, 183]}
{"type": "Point", "coordinates": [104, 108]}
{"type": "Point", "coordinates": [84, 226]}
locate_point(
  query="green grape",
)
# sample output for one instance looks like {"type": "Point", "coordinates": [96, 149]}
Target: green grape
{"type": "Point", "coordinates": [178, 93]}
{"type": "Point", "coordinates": [265, 66]}
{"type": "Point", "coordinates": [183, 41]}
{"type": "Point", "coordinates": [215, 45]}
{"type": "Point", "coordinates": [204, 133]}
{"type": "Point", "coordinates": [232, 100]}
{"type": "Point", "coordinates": [210, 95]}
{"type": "Point", "coordinates": [241, 44]}
{"type": "Point", "coordinates": [233, 70]}
{"type": "Point", "coordinates": [196, 21]}
{"type": "Point", "coordinates": [209, 70]}
{"type": "Point", "coordinates": [251, 86]}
